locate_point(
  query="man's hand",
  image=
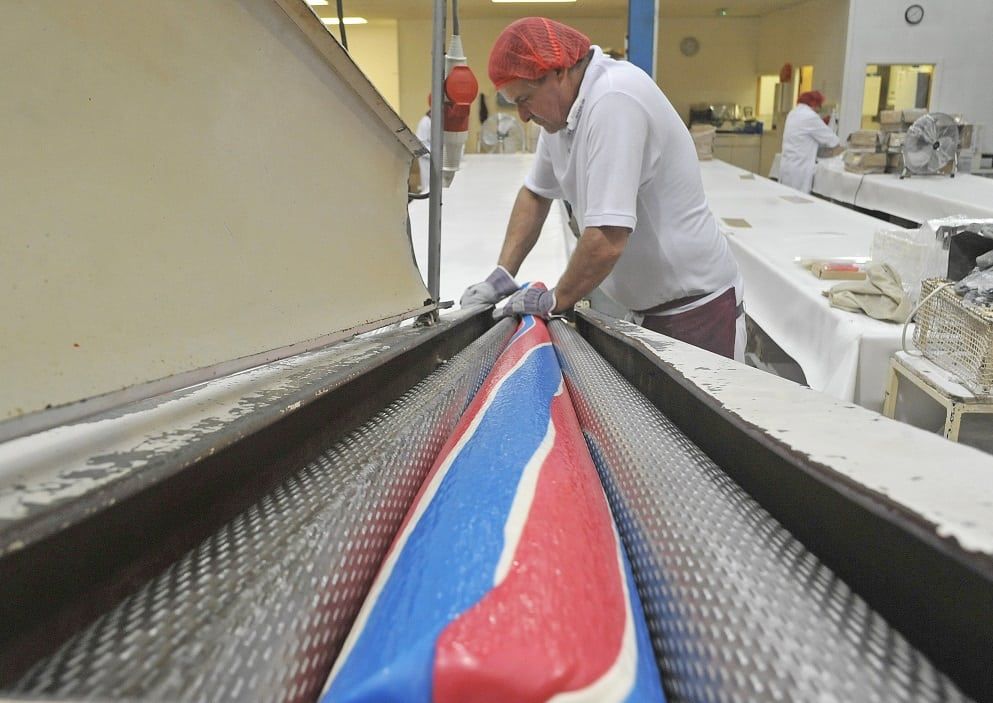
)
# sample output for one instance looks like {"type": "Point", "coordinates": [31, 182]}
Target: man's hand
{"type": "Point", "coordinates": [532, 300]}
{"type": "Point", "coordinates": [497, 286]}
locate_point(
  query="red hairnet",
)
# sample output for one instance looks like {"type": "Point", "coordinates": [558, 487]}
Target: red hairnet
{"type": "Point", "coordinates": [531, 47]}
{"type": "Point", "coordinates": [813, 98]}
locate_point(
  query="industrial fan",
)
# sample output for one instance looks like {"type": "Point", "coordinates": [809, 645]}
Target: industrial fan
{"type": "Point", "coordinates": [931, 146]}
{"type": "Point", "coordinates": [501, 134]}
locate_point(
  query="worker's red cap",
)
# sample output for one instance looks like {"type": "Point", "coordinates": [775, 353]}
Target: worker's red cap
{"type": "Point", "coordinates": [531, 47]}
{"type": "Point", "coordinates": [813, 98]}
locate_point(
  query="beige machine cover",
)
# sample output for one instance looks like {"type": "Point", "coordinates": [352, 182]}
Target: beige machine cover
{"type": "Point", "coordinates": [187, 187]}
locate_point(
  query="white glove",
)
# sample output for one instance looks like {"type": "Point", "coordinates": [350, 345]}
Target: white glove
{"type": "Point", "coordinates": [497, 286]}
{"type": "Point", "coordinates": [533, 300]}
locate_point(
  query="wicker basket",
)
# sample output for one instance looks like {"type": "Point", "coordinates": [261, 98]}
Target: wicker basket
{"type": "Point", "coordinates": [957, 336]}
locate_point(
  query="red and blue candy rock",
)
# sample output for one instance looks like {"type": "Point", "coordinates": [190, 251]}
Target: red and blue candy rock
{"type": "Point", "coordinates": [507, 580]}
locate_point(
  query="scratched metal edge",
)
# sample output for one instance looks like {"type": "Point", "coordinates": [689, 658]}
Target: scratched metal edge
{"type": "Point", "coordinates": [937, 594]}
{"type": "Point", "coordinates": [880, 503]}
{"type": "Point", "coordinates": [85, 408]}
{"type": "Point", "coordinates": [79, 560]}
{"type": "Point", "coordinates": [56, 516]}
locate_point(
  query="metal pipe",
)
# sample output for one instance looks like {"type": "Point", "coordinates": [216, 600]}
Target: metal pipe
{"type": "Point", "coordinates": [341, 26]}
{"type": "Point", "coordinates": [437, 146]}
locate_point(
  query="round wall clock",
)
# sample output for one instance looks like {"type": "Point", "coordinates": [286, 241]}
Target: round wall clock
{"type": "Point", "coordinates": [914, 14]}
{"type": "Point", "coordinates": [689, 46]}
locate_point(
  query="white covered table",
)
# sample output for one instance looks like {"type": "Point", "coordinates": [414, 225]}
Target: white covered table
{"type": "Point", "coordinates": [769, 225]}
{"type": "Point", "coordinates": [918, 198]}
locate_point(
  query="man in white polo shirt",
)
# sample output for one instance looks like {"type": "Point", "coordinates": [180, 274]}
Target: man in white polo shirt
{"type": "Point", "coordinates": [613, 147]}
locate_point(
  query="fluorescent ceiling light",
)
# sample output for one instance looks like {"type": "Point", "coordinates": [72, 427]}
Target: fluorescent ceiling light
{"type": "Point", "coordinates": [317, 2]}
{"type": "Point", "coordinates": [348, 20]}
{"type": "Point", "coordinates": [523, 1]}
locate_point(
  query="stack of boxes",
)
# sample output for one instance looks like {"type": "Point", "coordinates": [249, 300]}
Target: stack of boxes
{"type": "Point", "coordinates": [881, 151]}
{"type": "Point", "coordinates": [703, 139]}
{"type": "Point", "coordinates": [864, 153]}
{"type": "Point", "coordinates": [872, 151]}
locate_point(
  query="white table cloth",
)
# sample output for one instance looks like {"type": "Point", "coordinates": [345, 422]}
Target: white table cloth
{"type": "Point", "coordinates": [769, 225]}
{"type": "Point", "coordinates": [917, 198]}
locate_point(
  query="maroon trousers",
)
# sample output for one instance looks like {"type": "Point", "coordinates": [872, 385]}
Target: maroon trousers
{"type": "Point", "coordinates": [710, 326]}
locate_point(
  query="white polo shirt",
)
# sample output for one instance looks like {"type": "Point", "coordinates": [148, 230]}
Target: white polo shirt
{"type": "Point", "coordinates": [625, 159]}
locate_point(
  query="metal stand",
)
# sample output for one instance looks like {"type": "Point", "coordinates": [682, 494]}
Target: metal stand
{"type": "Point", "coordinates": [939, 386]}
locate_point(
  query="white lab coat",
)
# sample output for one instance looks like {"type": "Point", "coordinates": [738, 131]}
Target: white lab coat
{"type": "Point", "coordinates": [424, 163]}
{"type": "Point", "coordinates": [803, 133]}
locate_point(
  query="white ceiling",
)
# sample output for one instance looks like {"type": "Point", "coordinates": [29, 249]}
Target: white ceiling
{"type": "Point", "coordinates": [422, 9]}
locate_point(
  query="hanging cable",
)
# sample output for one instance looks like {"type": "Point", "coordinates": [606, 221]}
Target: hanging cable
{"type": "Point", "coordinates": [341, 25]}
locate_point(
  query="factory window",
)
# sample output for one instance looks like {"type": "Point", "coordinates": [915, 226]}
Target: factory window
{"type": "Point", "coordinates": [895, 87]}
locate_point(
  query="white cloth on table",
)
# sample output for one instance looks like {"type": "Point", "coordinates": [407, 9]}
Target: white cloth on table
{"type": "Point", "coordinates": [843, 354]}
{"type": "Point", "coordinates": [918, 198]}
{"type": "Point", "coordinates": [803, 133]}
{"type": "Point", "coordinates": [424, 162]}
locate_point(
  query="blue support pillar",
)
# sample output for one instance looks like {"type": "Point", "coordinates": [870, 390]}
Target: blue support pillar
{"type": "Point", "coordinates": [642, 16]}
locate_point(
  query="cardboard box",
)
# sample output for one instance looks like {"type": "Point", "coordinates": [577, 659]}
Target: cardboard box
{"type": "Point", "coordinates": [894, 162]}
{"type": "Point", "coordinates": [913, 114]}
{"type": "Point", "coordinates": [894, 142]}
{"type": "Point", "coordinates": [864, 139]}
{"type": "Point", "coordinates": [863, 162]}
{"type": "Point", "coordinates": [890, 117]}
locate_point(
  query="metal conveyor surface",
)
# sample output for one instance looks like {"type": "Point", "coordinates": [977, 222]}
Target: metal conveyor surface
{"type": "Point", "coordinates": [260, 609]}
{"type": "Point", "coordinates": [739, 610]}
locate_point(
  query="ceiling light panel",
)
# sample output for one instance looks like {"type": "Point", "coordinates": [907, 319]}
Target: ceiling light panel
{"type": "Point", "coordinates": [347, 20]}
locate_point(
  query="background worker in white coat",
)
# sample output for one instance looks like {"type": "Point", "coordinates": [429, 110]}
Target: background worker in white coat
{"type": "Point", "coordinates": [423, 132]}
{"type": "Point", "coordinates": [803, 133]}
{"type": "Point", "coordinates": [612, 145]}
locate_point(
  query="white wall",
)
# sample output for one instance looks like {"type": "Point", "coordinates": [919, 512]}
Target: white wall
{"type": "Point", "coordinates": [955, 35]}
{"type": "Point", "coordinates": [735, 51]}
{"type": "Point", "coordinates": [809, 34]}
{"type": "Point", "coordinates": [373, 46]}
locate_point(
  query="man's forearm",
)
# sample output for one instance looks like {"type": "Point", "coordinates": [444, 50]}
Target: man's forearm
{"type": "Point", "coordinates": [598, 250]}
{"type": "Point", "coordinates": [523, 228]}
